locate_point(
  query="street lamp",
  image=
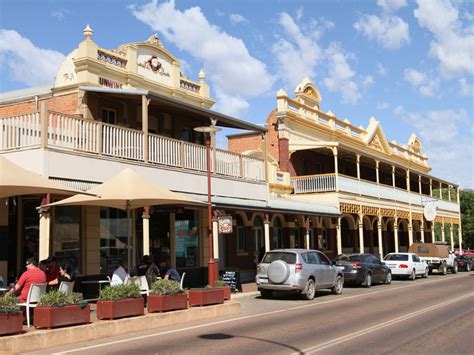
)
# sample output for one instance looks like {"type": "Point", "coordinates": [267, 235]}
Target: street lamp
{"type": "Point", "coordinates": [207, 130]}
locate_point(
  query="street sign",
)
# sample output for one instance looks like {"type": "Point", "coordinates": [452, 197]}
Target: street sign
{"type": "Point", "coordinates": [225, 224]}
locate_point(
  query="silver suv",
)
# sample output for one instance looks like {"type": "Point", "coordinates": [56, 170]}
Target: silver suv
{"type": "Point", "coordinates": [301, 270]}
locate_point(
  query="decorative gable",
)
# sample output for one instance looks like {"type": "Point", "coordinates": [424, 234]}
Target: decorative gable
{"type": "Point", "coordinates": [375, 137]}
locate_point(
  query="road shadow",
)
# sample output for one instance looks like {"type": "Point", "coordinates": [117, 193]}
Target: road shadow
{"type": "Point", "coordinates": [223, 336]}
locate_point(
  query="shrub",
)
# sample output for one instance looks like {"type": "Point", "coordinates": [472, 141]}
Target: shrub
{"type": "Point", "coordinates": [219, 283]}
{"type": "Point", "coordinates": [57, 298]}
{"type": "Point", "coordinates": [165, 287]}
{"type": "Point", "coordinates": [119, 292]}
{"type": "Point", "coordinates": [9, 304]}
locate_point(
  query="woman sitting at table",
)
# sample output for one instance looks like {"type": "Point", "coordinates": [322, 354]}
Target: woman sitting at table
{"type": "Point", "coordinates": [65, 275]}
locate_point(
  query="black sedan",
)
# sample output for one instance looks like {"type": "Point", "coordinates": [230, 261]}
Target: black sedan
{"type": "Point", "coordinates": [363, 269]}
{"type": "Point", "coordinates": [464, 263]}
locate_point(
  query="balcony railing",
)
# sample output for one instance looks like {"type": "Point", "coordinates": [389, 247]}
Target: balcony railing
{"type": "Point", "coordinates": [71, 133]}
{"type": "Point", "coordinates": [327, 183]}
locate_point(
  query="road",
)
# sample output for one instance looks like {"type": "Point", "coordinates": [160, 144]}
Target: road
{"type": "Point", "coordinates": [426, 316]}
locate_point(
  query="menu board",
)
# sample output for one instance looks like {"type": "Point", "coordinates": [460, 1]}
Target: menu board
{"type": "Point", "coordinates": [231, 277]}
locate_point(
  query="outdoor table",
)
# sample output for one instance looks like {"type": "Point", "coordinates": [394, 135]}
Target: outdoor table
{"type": "Point", "coordinates": [98, 282]}
{"type": "Point", "coordinates": [4, 290]}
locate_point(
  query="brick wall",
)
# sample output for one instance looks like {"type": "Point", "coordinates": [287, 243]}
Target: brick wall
{"type": "Point", "coordinates": [66, 104]}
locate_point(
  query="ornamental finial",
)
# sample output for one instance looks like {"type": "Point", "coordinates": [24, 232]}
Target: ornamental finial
{"type": "Point", "coordinates": [88, 32]}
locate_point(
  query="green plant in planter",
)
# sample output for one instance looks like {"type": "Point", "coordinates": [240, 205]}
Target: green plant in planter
{"type": "Point", "coordinates": [219, 283]}
{"type": "Point", "coordinates": [119, 292]}
{"type": "Point", "coordinates": [57, 298]}
{"type": "Point", "coordinates": [9, 304]}
{"type": "Point", "coordinates": [165, 287]}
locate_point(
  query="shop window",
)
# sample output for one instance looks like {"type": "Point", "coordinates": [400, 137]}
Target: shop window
{"type": "Point", "coordinates": [114, 231]}
{"type": "Point", "coordinates": [187, 238]}
{"type": "Point", "coordinates": [109, 116]}
{"type": "Point", "coordinates": [323, 245]}
{"type": "Point", "coordinates": [240, 231]}
{"type": "Point", "coordinates": [67, 236]}
{"type": "Point", "coordinates": [258, 233]}
{"type": "Point", "coordinates": [277, 236]}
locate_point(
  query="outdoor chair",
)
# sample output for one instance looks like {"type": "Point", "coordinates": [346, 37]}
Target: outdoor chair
{"type": "Point", "coordinates": [66, 287]}
{"type": "Point", "coordinates": [142, 282]}
{"type": "Point", "coordinates": [34, 294]}
{"type": "Point", "coordinates": [182, 281]}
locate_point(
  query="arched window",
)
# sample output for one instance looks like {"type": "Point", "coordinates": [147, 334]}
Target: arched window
{"type": "Point", "coordinates": [277, 236]}
{"type": "Point", "coordinates": [240, 230]}
{"type": "Point", "coordinates": [258, 233]}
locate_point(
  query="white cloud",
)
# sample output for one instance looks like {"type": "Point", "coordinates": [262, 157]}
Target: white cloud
{"type": "Point", "coordinates": [453, 44]}
{"type": "Point", "coordinates": [230, 104]}
{"type": "Point", "coordinates": [391, 5]}
{"type": "Point", "coordinates": [340, 75]}
{"type": "Point", "coordinates": [60, 14]}
{"type": "Point", "coordinates": [226, 60]}
{"type": "Point", "coordinates": [297, 54]}
{"type": "Point", "coordinates": [390, 32]}
{"type": "Point", "coordinates": [25, 63]}
{"type": "Point", "coordinates": [447, 138]}
{"type": "Point", "coordinates": [420, 81]}
{"type": "Point", "coordinates": [465, 88]}
{"type": "Point", "coordinates": [236, 19]}
{"type": "Point", "coordinates": [299, 13]}
{"type": "Point", "coordinates": [382, 106]}
{"type": "Point", "coordinates": [381, 70]}
{"type": "Point", "coordinates": [368, 81]}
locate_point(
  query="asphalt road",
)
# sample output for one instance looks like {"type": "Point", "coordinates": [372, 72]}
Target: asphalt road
{"type": "Point", "coordinates": [426, 316]}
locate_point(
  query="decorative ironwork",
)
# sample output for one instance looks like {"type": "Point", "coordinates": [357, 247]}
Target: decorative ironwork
{"type": "Point", "coordinates": [187, 85]}
{"type": "Point", "coordinates": [349, 208]}
{"type": "Point", "coordinates": [111, 59]}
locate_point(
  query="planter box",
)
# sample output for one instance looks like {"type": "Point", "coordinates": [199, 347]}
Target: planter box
{"type": "Point", "coordinates": [163, 303]}
{"type": "Point", "coordinates": [226, 292]}
{"type": "Point", "coordinates": [205, 297]}
{"type": "Point", "coordinates": [11, 323]}
{"type": "Point", "coordinates": [121, 308]}
{"type": "Point", "coordinates": [53, 317]}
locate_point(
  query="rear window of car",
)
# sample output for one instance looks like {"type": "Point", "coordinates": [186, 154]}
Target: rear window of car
{"type": "Point", "coordinates": [423, 250]}
{"type": "Point", "coordinates": [289, 258]}
{"type": "Point", "coordinates": [397, 257]}
{"type": "Point", "coordinates": [363, 258]}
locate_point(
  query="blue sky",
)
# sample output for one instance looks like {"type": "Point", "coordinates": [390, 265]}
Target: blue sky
{"type": "Point", "coordinates": [410, 64]}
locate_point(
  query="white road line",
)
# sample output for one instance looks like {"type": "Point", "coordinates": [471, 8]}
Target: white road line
{"type": "Point", "coordinates": [379, 326]}
{"type": "Point", "coordinates": [253, 316]}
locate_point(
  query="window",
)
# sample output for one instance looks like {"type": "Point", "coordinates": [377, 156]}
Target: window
{"type": "Point", "coordinates": [258, 233]}
{"type": "Point", "coordinates": [277, 236]}
{"type": "Point", "coordinates": [66, 236]}
{"type": "Point", "coordinates": [109, 116]}
{"type": "Point", "coordinates": [289, 258]}
{"type": "Point", "coordinates": [114, 231]}
{"type": "Point", "coordinates": [323, 259]}
{"type": "Point", "coordinates": [397, 257]}
{"type": "Point", "coordinates": [240, 230]}
{"type": "Point", "coordinates": [187, 238]}
{"type": "Point", "coordinates": [416, 259]}
{"type": "Point", "coordinates": [312, 258]}
{"type": "Point", "coordinates": [324, 239]}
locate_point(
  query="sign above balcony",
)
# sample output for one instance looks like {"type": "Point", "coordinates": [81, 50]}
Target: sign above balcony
{"type": "Point", "coordinates": [430, 211]}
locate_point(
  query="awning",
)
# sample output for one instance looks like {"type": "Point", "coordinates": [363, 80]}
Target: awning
{"type": "Point", "coordinates": [76, 184]}
{"type": "Point", "coordinates": [303, 206]}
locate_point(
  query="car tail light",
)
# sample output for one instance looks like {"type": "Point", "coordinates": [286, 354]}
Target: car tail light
{"type": "Point", "coordinates": [356, 265]}
{"type": "Point", "coordinates": [298, 267]}
{"type": "Point", "coordinates": [403, 266]}
{"type": "Point", "coordinates": [259, 267]}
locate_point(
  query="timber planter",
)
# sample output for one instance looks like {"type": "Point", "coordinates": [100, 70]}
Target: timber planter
{"type": "Point", "coordinates": [226, 292]}
{"type": "Point", "coordinates": [205, 296]}
{"type": "Point", "coordinates": [164, 303]}
{"type": "Point", "coordinates": [53, 317]}
{"type": "Point", "coordinates": [127, 307]}
{"type": "Point", "coordinates": [11, 323]}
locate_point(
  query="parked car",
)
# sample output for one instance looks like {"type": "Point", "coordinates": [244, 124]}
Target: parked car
{"type": "Point", "coordinates": [406, 265]}
{"type": "Point", "coordinates": [464, 263]}
{"type": "Point", "coordinates": [300, 270]}
{"type": "Point", "coordinates": [363, 269]}
{"type": "Point", "coordinates": [437, 255]}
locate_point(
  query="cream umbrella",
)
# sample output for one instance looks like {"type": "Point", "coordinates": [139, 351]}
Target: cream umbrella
{"type": "Point", "coordinates": [126, 191]}
{"type": "Point", "coordinates": [16, 181]}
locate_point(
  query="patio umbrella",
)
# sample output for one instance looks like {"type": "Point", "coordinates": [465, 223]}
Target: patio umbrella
{"type": "Point", "coordinates": [16, 181]}
{"type": "Point", "coordinates": [126, 191]}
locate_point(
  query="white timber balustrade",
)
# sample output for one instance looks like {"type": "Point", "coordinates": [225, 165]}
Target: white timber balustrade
{"type": "Point", "coordinates": [122, 142]}
{"type": "Point", "coordinates": [227, 163]}
{"type": "Point", "coordinates": [195, 157]}
{"type": "Point", "coordinates": [20, 131]}
{"type": "Point", "coordinates": [253, 168]}
{"type": "Point", "coordinates": [314, 183]}
{"type": "Point", "coordinates": [163, 150]}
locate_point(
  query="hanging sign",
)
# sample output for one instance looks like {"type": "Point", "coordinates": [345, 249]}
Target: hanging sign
{"type": "Point", "coordinates": [430, 211]}
{"type": "Point", "coordinates": [225, 224]}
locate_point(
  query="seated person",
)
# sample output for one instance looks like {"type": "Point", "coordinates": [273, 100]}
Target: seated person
{"type": "Point", "coordinates": [148, 269]}
{"type": "Point", "coordinates": [120, 274]}
{"type": "Point", "coordinates": [168, 273]}
{"type": "Point", "coordinates": [65, 275]}
{"type": "Point", "coordinates": [52, 272]}
{"type": "Point", "coordinates": [32, 275]}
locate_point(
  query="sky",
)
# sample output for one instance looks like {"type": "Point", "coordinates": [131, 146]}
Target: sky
{"type": "Point", "coordinates": [408, 63]}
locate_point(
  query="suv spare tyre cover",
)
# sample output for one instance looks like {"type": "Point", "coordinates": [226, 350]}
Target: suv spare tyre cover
{"type": "Point", "coordinates": [278, 271]}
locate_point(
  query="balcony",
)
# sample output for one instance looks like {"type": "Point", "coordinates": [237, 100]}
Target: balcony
{"type": "Point", "coordinates": [327, 183]}
{"type": "Point", "coordinates": [106, 140]}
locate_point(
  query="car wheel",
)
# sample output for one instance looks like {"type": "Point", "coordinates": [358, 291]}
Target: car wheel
{"type": "Point", "coordinates": [338, 286]}
{"type": "Point", "coordinates": [454, 270]}
{"type": "Point", "coordinates": [388, 278]}
{"type": "Point", "coordinates": [368, 280]}
{"type": "Point", "coordinates": [412, 275]}
{"type": "Point", "coordinates": [425, 275]}
{"type": "Point", "coordinates": [444, 269]}
{"type": "Point", "coordinates": [266, 293]}
{"type": "Point", "coordinates": [310, 290]}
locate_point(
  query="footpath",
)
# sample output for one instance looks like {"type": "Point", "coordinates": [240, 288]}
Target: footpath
{"type": "Point", "coordinates": [37, 339]}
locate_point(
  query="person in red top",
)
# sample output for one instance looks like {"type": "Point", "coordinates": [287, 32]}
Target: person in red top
{"type": "Point", "coordinates": [53, 269]}
{"type": "Point", "coordinates": [32, 275]}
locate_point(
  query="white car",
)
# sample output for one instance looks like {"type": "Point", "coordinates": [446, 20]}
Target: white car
{"type": "Point", "coordinates": [406, 264]}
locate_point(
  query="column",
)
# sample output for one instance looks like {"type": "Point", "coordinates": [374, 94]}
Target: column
{"type": "Point", "coordinates": [338, 236]}
{"type": "Point", "coordinates": [419, 184]}
{"type": "Point", "coordinates": [215, 238]}
{"type": "Point", "coordinates": [306, 224]}
{"type": "Point", "coordinates": [410, 231]}
{"type": "Point", "coordinates": [266, 230]}
{"type": "Point", "coordinates": [431, 187]}
{"type": "Point", "coordinates": [361, 234]}
{"type": "Point", "coordinates": [395, 234]}
{"type": "Point", "coordinates": [393, 176]}
{"type": "Point", "coordinates": [422, 230]}
{"type": "Point", "coordinates": [408, 180]}
{"type": "Point", "coordinates": [145, 127]}
{"type": "Point", "coordinates": [336, 168]}
{"type": "Point", "coordinates": [451, 234]}
{"type": "Point", "coordinates": [449, 192]}
{"type": "Point", "coordinates": [379, 237]}
{"type": "Point", "coordinates": [443, 237]}
{"type": "Point", "coordinates": [44, 234]}
{"type": "Point", "coordinates": [358, 166]}
{"type": "Point", "coordinates": [377, 172]}
{"type": "Point", "coordinates": [146, 230]}
{"type": "Point", "coordinates": [460, 237]}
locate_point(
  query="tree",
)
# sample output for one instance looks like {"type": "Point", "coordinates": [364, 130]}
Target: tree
{"type": "Point", "coordinates": [467, 218]}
